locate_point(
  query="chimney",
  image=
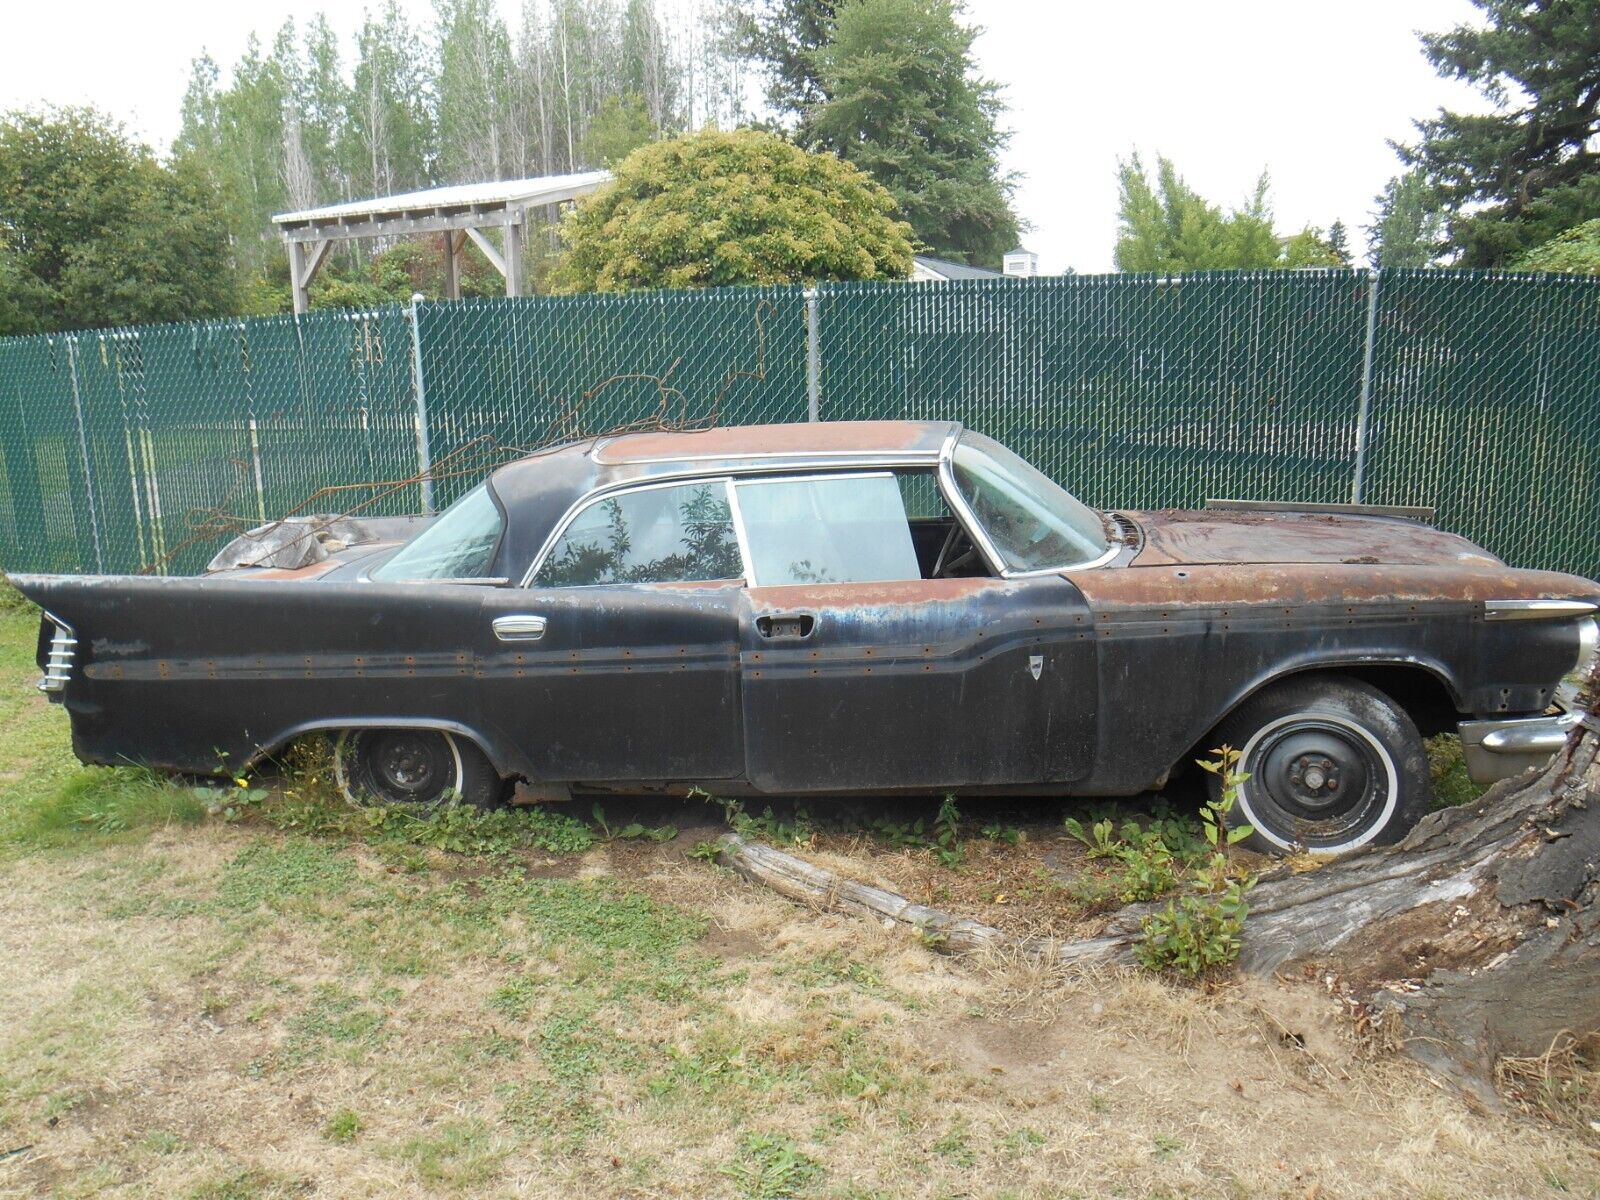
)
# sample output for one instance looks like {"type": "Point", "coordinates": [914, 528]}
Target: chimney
{"type": "Point", "coordinates": [1021, 264]}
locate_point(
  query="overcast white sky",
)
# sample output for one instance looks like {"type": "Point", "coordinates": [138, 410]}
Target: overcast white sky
{"type": "Point", "coordinates": [1310, 91]}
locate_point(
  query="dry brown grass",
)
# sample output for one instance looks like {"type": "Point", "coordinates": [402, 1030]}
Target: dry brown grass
{"type": "Point", "coordinates": [187, 1050]}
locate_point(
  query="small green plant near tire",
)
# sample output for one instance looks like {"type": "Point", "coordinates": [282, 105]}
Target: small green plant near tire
{"type": "Point", "coordinates": [1148, 860]}
{"type": "Point", "coordinates": [631, 831]}
{"type": "Point", "coordinates": [942, 839]}
{"type": "Point", "coordinates": [799, 830]}
{"type": "Point", "coordinates": [1199, 931]}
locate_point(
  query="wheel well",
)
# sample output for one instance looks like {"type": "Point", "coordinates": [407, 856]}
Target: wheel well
{"type": "Point", "coordinates": [1421, 694]}
{"type": "Point", "coordinates": [332, 728]}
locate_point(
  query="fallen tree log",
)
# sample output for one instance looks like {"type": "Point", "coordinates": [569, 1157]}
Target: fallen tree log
{"type": "Point", "coordinates": [1480, 930]}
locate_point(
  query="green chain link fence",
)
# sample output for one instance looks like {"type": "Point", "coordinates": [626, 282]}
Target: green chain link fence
{"type": "Point", "coordinates": [127, 450]}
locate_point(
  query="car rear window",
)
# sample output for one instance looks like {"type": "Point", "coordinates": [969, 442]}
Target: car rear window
{"type": "Point", "coordinates": [459, 545]}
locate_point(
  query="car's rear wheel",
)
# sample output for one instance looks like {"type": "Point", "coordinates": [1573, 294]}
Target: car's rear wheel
{"type": "Point", "coordinates": [1333, 764]}
{"type": "Point", "coordinates": [417, 768]}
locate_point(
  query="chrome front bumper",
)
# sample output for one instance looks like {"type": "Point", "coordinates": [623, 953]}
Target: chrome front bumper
{"type": "Point", "coordinates": [1503, 749]}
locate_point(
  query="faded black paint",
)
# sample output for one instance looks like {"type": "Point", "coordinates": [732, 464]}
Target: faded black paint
{"type": "Point", "coordinates": [1094, 681]}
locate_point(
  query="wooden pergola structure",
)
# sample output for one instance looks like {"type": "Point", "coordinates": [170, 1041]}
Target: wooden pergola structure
{"type": "Point", "coordinates": [459, 212]}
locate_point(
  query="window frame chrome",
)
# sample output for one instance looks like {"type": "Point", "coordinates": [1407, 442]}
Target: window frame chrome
{"type": "Point", "coordinates": [819, 465]}
{"type": "Point", "coordinates": [958, 505]}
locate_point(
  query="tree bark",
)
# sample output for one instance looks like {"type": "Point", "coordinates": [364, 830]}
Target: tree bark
{"type": "Point", "coordinates": [1480, 931]}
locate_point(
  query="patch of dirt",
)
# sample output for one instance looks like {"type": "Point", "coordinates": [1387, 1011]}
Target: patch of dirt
{"type": "Point", "coordinates": [731, 943]}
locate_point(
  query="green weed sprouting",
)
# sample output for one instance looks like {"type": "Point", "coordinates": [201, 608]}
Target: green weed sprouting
{"type": "Point", "coordinates": [1200, 930]}
{"type": "Point", "coordinates": [1147, 860]}
{"type": "Point", "coordinates": [632, 830]}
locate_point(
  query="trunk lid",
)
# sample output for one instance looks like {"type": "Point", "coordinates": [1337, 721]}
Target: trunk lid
{"type": "Point", "coordinates": [1184, 537]}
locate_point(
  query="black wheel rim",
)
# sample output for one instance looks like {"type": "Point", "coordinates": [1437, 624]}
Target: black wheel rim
{"type": "Point", "coordinates": [1316, 782]}
{"type": "Point", "coordinates": [414, 767]}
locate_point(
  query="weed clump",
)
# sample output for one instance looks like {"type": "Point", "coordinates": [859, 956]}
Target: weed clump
{"type": "Point", "coordinates": [1199, 931]}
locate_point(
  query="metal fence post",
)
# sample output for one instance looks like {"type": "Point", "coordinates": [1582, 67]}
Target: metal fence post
{"type": "Point", "coordinates": [1364, 413]}
{"type": "Point", "coordinates": [83, 449]}
{"type": "Point", "coordinates": [813, 359]}
{"type": "Point", "coordinates": [424, 453]}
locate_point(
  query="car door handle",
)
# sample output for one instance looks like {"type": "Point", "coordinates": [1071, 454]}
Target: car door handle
{"type": "Point", "coordinates": [786, 625]}
{"type": "Point", "coordinates": [520, 627]}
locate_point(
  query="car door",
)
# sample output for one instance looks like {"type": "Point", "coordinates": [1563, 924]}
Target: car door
{"type": "Point", "coordinates": [861, 675]}
{"type": "Point", "coordinates": [620, 661]}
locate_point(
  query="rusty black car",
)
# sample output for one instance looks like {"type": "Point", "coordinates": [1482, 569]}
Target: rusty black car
{"type": "Point", "coordinates": [832, 609]}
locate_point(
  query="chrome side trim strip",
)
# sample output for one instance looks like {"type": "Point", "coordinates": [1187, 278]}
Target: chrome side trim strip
{"type": "Point", "coordinates": [1537, 610]}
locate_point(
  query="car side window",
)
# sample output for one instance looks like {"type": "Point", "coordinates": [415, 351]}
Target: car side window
{"type": "Point", "coordinates": [826, 529]}
{"type": "Point", "coordinates": [673, 534]}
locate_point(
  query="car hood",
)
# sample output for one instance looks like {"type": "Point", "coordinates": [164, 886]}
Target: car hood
{"type": "Point", "coordinates": [1174, 537]}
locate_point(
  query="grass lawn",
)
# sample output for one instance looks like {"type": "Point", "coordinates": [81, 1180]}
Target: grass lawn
{"type": "Point", "coordinates": [247, 995]}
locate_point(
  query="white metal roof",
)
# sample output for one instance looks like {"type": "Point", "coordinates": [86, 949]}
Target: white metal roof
{"type": "Point", "coordinates": [546, 189]}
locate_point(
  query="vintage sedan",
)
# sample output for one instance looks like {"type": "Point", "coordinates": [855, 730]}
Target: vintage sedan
{"type": "Point", "coordinates": [832, 609]}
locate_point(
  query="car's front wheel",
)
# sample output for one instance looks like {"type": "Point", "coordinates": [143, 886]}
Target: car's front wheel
{"type": "Point", "coordinates": [1332, 764]}
{"type": "Point", "coordinates": [417, 768]}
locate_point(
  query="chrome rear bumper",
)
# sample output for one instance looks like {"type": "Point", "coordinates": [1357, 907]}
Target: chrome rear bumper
{"type": "Point", "coordinates": [1505, 748]}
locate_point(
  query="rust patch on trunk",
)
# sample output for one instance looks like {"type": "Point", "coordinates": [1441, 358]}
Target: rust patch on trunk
{"type": "Point", "coordinates": [1190, 536]}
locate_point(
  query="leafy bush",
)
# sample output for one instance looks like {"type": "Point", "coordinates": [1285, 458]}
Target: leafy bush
{"type": "Point", "coordinates": [716, 209]}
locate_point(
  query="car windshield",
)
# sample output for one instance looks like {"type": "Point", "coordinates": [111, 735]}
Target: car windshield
{"type": "Point", "coordinates": [1034, 524]}
{"type": "Point", "coordinates": [459, 545]}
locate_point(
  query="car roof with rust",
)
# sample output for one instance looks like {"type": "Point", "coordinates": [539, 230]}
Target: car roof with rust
{"type": "Point", "coordinates": [538, 489]}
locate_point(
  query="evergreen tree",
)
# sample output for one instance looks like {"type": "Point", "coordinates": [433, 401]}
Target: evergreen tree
{"type": "Point", "coordinates": [904, 103]}
{"type": "Point", "coordinates": [1407, 229]}
{"type": "Point", "coordinates": [786, 37]}
{"type": "Point", "coordinates": [1516, 177]}
{"type": "Point", "coordinates": [1339, 243]}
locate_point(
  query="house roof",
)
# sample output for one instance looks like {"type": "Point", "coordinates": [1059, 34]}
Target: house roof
{"type": "Point", "coordinates": [499, 193]}
{"type": "Point", "coordinates": [946, 269]}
